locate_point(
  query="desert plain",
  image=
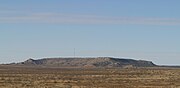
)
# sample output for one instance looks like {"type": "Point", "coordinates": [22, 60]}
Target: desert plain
{"type": "Point", "coordinates": [41, 77]}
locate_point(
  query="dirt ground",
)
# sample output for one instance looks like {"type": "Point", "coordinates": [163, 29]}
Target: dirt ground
{"type": "Point", "coordinates": [31, 77]}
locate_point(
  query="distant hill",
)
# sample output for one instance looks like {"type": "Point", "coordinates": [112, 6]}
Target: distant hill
{"type": "Point", "coordinates": [87, 62]}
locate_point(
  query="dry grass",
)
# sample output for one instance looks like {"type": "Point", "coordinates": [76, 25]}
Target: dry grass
{"type": "Point", "coordinates": [18, 77]}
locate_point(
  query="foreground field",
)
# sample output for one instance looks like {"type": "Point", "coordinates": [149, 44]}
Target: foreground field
{"type": "Point", "coordinates": [29, 77]}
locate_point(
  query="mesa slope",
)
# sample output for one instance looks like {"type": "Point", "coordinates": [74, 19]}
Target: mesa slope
{"type": "Point", "coordinates": [87, 62]}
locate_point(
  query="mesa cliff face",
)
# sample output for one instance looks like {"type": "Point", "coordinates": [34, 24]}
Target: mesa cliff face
{"type": "Point", "coordinates": [87, 62]}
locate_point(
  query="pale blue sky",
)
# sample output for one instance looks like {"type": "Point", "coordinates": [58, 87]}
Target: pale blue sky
{"type": "Point", "coordinates": [139, 29]}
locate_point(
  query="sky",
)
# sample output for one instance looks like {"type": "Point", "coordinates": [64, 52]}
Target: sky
{"type": "Point", "coordinates": [137, 29]}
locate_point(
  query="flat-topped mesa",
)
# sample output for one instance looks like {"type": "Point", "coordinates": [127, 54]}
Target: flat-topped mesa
{"type": "Point", "coordinates": [88, 62]}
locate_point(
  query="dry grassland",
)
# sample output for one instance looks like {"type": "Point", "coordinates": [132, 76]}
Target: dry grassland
{"type": "Point", "coordinates": [29, 77]}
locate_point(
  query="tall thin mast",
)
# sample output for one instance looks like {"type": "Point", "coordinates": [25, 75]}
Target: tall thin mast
{"type": "Point", "coordinates": [74, 52]}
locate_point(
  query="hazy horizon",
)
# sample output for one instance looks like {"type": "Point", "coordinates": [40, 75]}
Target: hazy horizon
{"type": "Point", "coordinates": [146, 30]}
